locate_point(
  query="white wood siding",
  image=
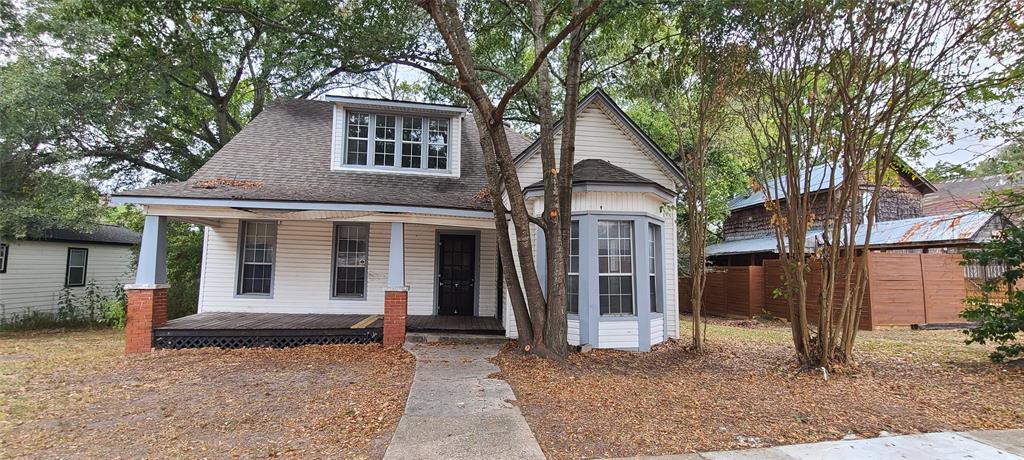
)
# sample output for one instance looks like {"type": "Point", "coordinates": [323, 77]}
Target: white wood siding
{"type": "Point", "coordinates": [574, 331]}
{"type": "Point", "coordinates": [657, 330]}
{"type": "Point", "coordinates": [598, 136]}
{"type": "Point", "coordinates": [671, 257]}
{"type": "Point", "coordinates": [302, 274]}
{"type": "Point", "coordinates": [36, 269]}
{"type": "Point", "coordinates": [619, 334]}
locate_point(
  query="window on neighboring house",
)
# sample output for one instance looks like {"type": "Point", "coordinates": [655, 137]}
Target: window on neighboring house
{"type": "Point", "coordinates": [573, 272]}
{"type": "Point", "coordinates": [5, 252]}
{"type": "Point", "coordinates": [438, 147]}
{"type": "Point", "coordinates": [384, 141]}
{"type": "Point", "coordinates": [358, 138]}
{"type": "Point", "coordinates": [351, 248]}
{"type": "Point", "coordinates": [400, 141]}
{"type": "Point", "coordinates": [78, 261]}
{"type": "Point", "coordinates": [654, 233]}
{"type": "Point", "coordinates": [615, 267]}
{"type": "Point", "coordinates": [258, 245]}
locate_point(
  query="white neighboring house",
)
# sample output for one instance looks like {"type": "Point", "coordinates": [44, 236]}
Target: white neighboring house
{"type": "Point", "coordinates": [33, 272]}
{"type": "Point", "coordinates": [367, 207]}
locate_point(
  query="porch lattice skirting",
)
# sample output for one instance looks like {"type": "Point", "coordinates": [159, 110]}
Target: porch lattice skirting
{"type": "Point", "coordinates": [263, 338]}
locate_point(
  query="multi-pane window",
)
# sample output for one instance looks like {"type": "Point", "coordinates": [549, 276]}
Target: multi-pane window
{"type": "Point", "coordinates": [259, 241]}
{"type": "Point", "coordinates": [654, 257]}
{"type": "Point", "coordinates": [437, 157]}
{"type": "Point", "coordinates": [412, 142]}
{"type": "Point", "coordinates": [396, 141]}
{"type": "Point", "coordinates": [350, 254]}
{"type": "Point", "coordinates": [358, 138]}
{"type": "Point", "coordinates": [615, 267]}
{"type": "Point", "coordinates": [384, 141]}
{"type": "Point", "coordinates": [78, 261]}
{"type": "Point", "coordinates": [573, 272]}
{"type": "Point", "coordinates": [4, 252]}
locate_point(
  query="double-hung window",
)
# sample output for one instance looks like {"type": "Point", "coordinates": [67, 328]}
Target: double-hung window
{"type": "Point", "coordinates": [615, 267]}
{"type": "Point", "coordinates": [351, 248]}
{"type": "Point", "coordinates": [258, 245]}
{"type": "Point", "coordinates": [573, 272]}
{"type": "Point", "coordinates": [654, 258]}
{"type": "Point", "coordinates": [5, 252]}
{"type": "Point", "coordinates": [396, 141]}
{"type": "Point", "coordinates": [78, 262]}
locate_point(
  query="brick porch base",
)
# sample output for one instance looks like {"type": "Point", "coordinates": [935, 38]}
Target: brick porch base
{"type": "Point", "coordinates": [147, 308]}
{"type": "Point", "coordinates": [396, 310]}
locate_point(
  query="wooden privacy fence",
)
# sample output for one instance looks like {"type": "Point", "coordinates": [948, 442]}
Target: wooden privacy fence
{"type": "Point", "coordinates": [903, 289]}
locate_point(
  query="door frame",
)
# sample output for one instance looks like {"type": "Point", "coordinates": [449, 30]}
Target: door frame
{"type": "Point", "coordinates": [476, 269]}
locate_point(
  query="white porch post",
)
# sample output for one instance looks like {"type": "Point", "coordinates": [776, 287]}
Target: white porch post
{"type": "Point", "coordinates": [396, 294]}
{"type": "Point", "coordinates": [147, 298]}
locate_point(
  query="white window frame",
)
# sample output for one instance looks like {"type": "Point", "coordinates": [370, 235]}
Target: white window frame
{"type": "Point", "coordinates": [5, 252]}
{"type": "Point", "coordinates": [654, 266]}
{"type": "Point", "coordinates": [631, 274]}
{"type": "Point", "coordinates": [84, 267]}
{"type": "Point", "coordinates": [242, 227]}
{"type": "Point", "coordinates": [334, 263]}
{"type": "Point", "coordinates": [398, 142]}
{"type": "Point", "coordinates": [568, 269]}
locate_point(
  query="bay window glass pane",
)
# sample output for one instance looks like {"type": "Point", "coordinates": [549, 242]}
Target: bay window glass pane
{"type": "Point", "coordinates": [573, 273]}
{"type": "Point", "coordinates": [351, 248]}
{"type": "Point", "coordinates": [615, 267]}
{"type": "Point", "coordinates": [259, 240]}
{"type": "Point", "coordinates": [654, 238]}
{"type": "Point", "coordinates": [384, 141]}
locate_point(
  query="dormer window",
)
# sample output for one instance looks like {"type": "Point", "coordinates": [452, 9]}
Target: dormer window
{"type": "Point", "coordinates": [397, 137]}
{"type": "Point", "coordinates": [423, 144]}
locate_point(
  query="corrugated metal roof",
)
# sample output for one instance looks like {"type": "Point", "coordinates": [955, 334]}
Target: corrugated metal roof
{"type": "Point", "coordinates": [819, 181]}
{"type": "Point", "coordinates": [952, 228]}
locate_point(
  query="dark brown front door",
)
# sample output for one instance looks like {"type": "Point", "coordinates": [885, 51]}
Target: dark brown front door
{"type": "Point", "coordinates": [456, 275]}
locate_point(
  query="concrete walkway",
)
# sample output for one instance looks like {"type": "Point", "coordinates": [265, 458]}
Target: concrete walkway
{"type": "Point", "coordinates": [455, 411]}
{"type": "Point", "coordinates": [974, 445]}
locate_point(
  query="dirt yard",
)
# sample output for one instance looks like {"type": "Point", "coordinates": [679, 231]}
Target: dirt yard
{"type": "Point", "coordinates": [746, 393]}
{"type": "Point", "coordinates": [75, 395]}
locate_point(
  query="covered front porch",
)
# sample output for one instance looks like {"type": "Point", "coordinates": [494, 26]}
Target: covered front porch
{"type": "Point", "coordinates": [283, 277]}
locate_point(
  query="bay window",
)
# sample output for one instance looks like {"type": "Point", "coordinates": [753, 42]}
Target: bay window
{"type": "Point", "coordinates": [615, 267]}
{"type": "Point", "coordinates": [573, 271]}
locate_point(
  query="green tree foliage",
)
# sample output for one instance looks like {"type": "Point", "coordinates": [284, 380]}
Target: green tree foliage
{"type": "Point", "coordinates": [1000, 323]}
{"type": "Point", "coordinates": [46, 200]}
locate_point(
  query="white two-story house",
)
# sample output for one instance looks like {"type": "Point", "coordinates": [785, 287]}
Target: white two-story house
{"type": "Point", "coordinates": [347, 218]}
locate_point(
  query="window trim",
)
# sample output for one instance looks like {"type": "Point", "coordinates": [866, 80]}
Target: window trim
{"type": "Point", "coordinates": [655, 246]}
{"type": "Point", "coordinates": [5, 253]}
{"type": "Point", "coordinates": [579, 266]}
{"type": "Point", "coordinates": [632, 270]}
{"type": "Point", "coordinates": [85, 268]}
{"type": "Point", "coordinates": [334, 262]}
{"type": "Point", "coordinates": [240, 248]}
{"type": "Point", "coordinates": [397, 142]}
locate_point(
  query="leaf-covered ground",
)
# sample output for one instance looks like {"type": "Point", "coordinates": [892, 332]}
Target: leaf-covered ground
{"type": "Point", "coordinates": [745, 392]}
{"type": "Point", "coordinates": [75, 395]}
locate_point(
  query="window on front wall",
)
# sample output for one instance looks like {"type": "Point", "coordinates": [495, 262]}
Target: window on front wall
{"type": "Point", "coordinates": [5, 252]}
{"type": "Point", "coordinates": [401, 141]}
{"type": "Point", "coordinates": [78, 262]}
{"type": "Point", "coordinates": [258, 245]}
{"type": "Point", "coordinates": [351, 250]}
{"type": "Point", "coordinates": [573, 272]}
{"type": "Point", "coordinates": [654, 260]}
{"type": "Point", "coordinates": [615, 267]}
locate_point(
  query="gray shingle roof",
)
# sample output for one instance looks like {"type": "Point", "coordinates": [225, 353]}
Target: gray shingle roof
{"type": "Point", "coordinates": [595, 171]}
{"type": "Point", "coordinates": [285, 155]}
{"type": "Point", "coordinates": [108, 234]}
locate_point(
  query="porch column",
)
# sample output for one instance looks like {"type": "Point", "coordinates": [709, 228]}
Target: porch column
{"type": "Point", "coordinates": [641, 274]}
{"type": "Point", "coordinates": [396, 294]}
{"type": "Point", "coordinates": [147, 298]}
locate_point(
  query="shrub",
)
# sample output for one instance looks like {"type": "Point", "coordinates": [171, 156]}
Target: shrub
{"type": "Point", "coordinates": [999, 323]}
{"type": "Point", "coordinates": [88, 308]}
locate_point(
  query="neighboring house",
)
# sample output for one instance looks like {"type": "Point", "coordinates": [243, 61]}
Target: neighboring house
{"type": "Point", "coordinates": [33, 272]}
{"type": "Point", "coordinates": [968, 194]}
{"type": "Point", "coordinates": [372, 215]}
{"type": "Point", "coordinates": [909, 285]}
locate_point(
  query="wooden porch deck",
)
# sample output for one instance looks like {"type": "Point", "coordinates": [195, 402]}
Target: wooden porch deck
{"type": "Point", "coordinates": [240, 330]}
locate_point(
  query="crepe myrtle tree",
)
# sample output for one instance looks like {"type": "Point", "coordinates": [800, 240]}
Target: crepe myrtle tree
{"type": "Point", "coordinates": [855, 86]}
{"type": "Point", "coordinates": [553, 29]}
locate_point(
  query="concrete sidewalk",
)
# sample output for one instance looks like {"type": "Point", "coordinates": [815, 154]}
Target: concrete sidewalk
{"type": "Point", "coordinates": [974, 445]}
{"type": "Point", "coordinates": [455, 411]}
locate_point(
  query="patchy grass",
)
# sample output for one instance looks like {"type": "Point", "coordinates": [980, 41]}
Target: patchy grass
{"type": "Point", "coordinates": [746, 392]}
{"type": "Point", "coordinates": [75, 394]}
